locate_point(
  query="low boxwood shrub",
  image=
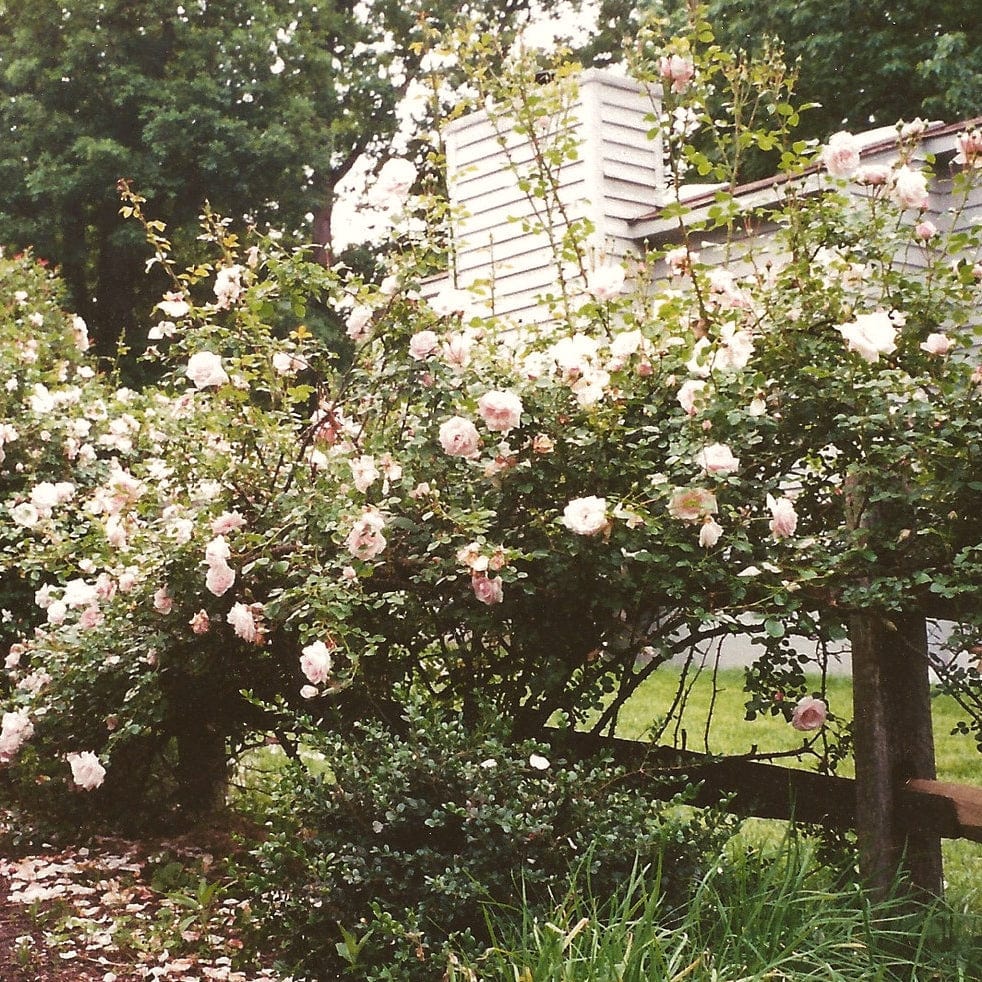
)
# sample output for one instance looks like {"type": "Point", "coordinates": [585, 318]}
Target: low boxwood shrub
{"type": "Point", "coordinates": [384, 858]}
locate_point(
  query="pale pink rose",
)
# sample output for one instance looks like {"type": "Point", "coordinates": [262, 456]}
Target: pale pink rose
{"type": "Point", "coordinates": [228, 521]}
{"type": "Point", "coordinates": [538, 762]}
{"type": "Point", "coordinates": [586, 516]}
{"type": "Point", "coordinates": [841, 155]}
{"type": "Point", "coordinates": [870, 335]}
{"type": "Point", "coordinates": [359, 322]}
{"type": "Point", "coordinates": [173, 305]}
{"type": "Point", "coordinates": [472, 556]}
{"type": "Point", "coordinates": [725, 290]}
{"type": "Point", "coordinates": [80, 333]}
{"type": "Point", "coordinates": [162, 601]}
{"type": "Point", "coordinates": [459, 437]}
{"type": "Point", "coordinates": [393, 184]}
{"type": "Point", "coordinates": [542, 443]}
{"type": "Point", "coordinates": [78, 593]}
{"type": "Point", "coordinates": [316, 663]}
{"type": "Point", "coordinates": [309, 692]}
{"type": "Point", "coordinates": [365, 540]}
{"type": "Point", "coordinates": [217, 551]}
{"type": "Point", "coordinates": [688, 393]}
{"type": "Point", "coordinates": [910, 188]}
{"type": "Point", "coordinates": [710, 532]}
{"type": "Point", "coordinates": [364, 472]}
{"type": "Point", "coordinates": [15, 730]}
{"type": "Point", "coordinates": [422, 344]}
{"type": "Point", "coordinates": [245, 622]}
{"type": "Point", "coordinates": [606, 281]}
{"type": "Point", "coordinates": [678, 70]}
{"type": "Point", "coordinates": [937, 344]}
{"type": "Point", "coordinates": [220, 578]}
{"type": "Point", "coordinates": [809, 714]}
{"type": "Point", "coordinates": [680, 260]}
{"type": "Point", "coordinates": [692, 504]}
{"type": "Point", "coordinates": [204, 369]}
{"type": "Point", "coordinates": [25, 515]}
{"type": "Point", "coordinates": [926, 230]}
{"type": "Point", "coordinates": [14, 655]}
{"type": "Point", "coordinates": [228, 286]}
{"type": "Point", "coordinates": [734, 349]}
{"type": "Point", "coordinates": [457, 351]}
{"type": "Point", "coordinates": [717, 458]}
{"type": "Point", "coordinates": [200, 623]}
{"type": "Point", "coordinates": [969, 148]}
{"type": "Point", "coordinates": [128, 580]}
{"type": "Point", "coordinates": [57, 612]}
{"type": "Point", "coordinates": [91, 617]}
{"type": "Point", "coordinates": [286, 363]}
{"type": "Point", "coordinates": [873, 175]}
{"type": "Point", "coordinates": [87, 772]}
{"type": "Point", "coordinates": [489, 590]}
{"type": "Point", "coordinates": [784, 519]}
{"type": "Point", "coordinates": [501, 411]}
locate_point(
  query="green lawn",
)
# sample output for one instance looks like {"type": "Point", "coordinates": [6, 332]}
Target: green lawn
{"type": "Point", "coordinates": [730, 733]}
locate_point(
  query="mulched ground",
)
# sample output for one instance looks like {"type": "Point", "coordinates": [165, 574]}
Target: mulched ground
{"type": "Point", "coordinates": [119, 910]}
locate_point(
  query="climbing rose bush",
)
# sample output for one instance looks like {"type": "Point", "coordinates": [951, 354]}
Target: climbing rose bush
{"type": "Point", "coordinates": [539, 514]}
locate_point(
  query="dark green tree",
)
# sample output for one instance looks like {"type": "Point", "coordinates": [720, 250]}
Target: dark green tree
{"type": "Point", "coordinates": [260, 107]}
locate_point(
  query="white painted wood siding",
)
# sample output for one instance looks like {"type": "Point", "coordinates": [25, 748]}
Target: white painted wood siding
{"type": "Point", "coordinates": [503, 235]}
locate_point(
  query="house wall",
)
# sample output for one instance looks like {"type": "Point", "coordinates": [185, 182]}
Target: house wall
{"type": "Point", "coordinates": [505, 236]}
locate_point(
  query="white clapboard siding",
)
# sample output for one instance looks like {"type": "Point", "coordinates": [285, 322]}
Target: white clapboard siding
{"type": "Point", "coordinates": [615, 178]}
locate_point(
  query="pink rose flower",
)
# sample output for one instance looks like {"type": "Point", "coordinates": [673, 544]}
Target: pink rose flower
{"type": "Point", "coordinates": [228, 286]}
{"type": "Point", "coordinates": [809, 714]}
{"type": "Point", "coordinates": [937, 344]}
{"type": "Point", "coordinates": [87, 772]}
{"type": "Point", "coordinates": [228, 521]}
{"type": "Point", "coordinates": [365, 540]}
{"type": "Point", "coordinates": [359, 322]}
{"type": "Point", "coordinates": [422, 344]}
{"type": "Point", "coordinates": [200, 623]}
{"type": "Point", "coordinates": [364, 472]}
{"type": "Point", "coordinates": [870, 335]}
{"type": "Point", "coordinates": [204, 369]}
{"type": "Point", "coordinates": [457, 351]}
{"type": "Point", "coordinates": [710, 533]}
{"type": "Point", "coordinates": [873, 175]}
{"type": "Point", "coordinates": [246, 622]}
{"type": "Point", "coordinates": [969, 148]}
{"type": "Point", "coordinates": [15, 730]}
{"type": "Point", "coordinates": [501, 411]}
{"type": "Point", "coordinates": [692, 504]}
{"type": "Point", "coordinates": [316, 662]}
{"type": "Point", "coordinates": [91, 617]}
{"type": "Point", "coordinates": [174, 305]}
{"type": "Point", "coordinates": [784, 519]}
{"type": "Point", "coordinates": [841, 155]}
{"type": "Point", "coordinates": [459, 437]}
{"type": "Point", "coordinates": [910, 188]}
{"type": "Point", "coordinates": [489, 590]}
{"type": "Point", "coordinates": [605, 282]}
{"type": "Point", "coordinates": [586, 516]}
{"type": "Point", "coordinates": [220, 578]}
{"type": "Point", "coordinates": [925, 230]}
{"type": "Point", "coordinates": [678, 70]}
{"type": "Point", "coordinates": [162, 601]}
{"type": "Point", "coordinates": [688, 394]}
{"type": "Point", "coordinates": [717, 458]}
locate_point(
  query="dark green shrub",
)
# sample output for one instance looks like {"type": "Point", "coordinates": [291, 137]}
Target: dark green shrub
{"type": "Point", "coordinates": [380, 865]}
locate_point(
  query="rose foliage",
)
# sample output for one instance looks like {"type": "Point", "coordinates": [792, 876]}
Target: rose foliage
{"type": "Point", "coordinates": [762, 435]}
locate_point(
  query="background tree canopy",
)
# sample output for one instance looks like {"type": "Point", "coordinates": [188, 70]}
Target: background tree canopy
{"type": "Point", "coordinates": [259, 108]}
{"type": "Point", "coordinates": [262, 109]}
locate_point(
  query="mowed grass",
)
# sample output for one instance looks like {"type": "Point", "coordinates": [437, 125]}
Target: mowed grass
{"type": "Point", "coordinates": [730, 732]}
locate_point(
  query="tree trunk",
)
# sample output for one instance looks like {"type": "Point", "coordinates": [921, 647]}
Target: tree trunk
{"type": "Point", "coordinates": [894, 742]}
{"type": "Point", "coordinates": [202, 771]}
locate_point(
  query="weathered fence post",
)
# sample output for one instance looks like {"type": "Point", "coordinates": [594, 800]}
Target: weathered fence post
{"type": "Point", "coordinates": [894, 742]}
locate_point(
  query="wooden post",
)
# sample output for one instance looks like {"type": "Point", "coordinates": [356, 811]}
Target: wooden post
{"type": "Point", "coordinates": [893, 743]}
